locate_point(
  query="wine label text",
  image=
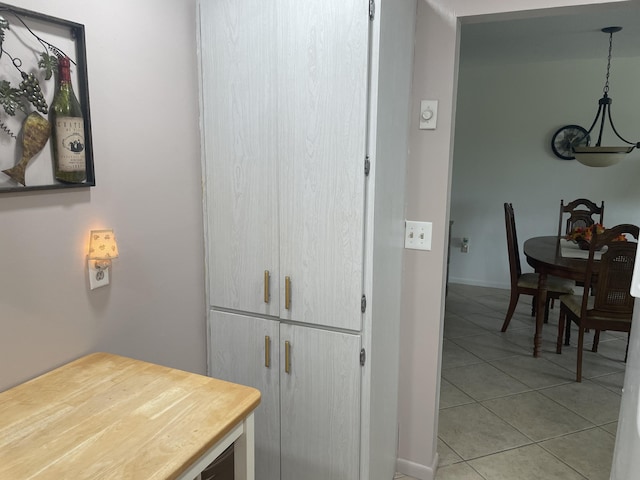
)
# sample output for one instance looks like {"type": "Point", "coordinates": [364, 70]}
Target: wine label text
{"type": "Point", "coordinates": [70, 143]}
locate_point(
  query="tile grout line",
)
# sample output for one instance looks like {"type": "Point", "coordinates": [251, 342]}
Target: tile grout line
{"type": "Point", "coordinates": [592, 425]}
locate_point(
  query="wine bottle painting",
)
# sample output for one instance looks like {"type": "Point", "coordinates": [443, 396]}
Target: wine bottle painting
{"type": "Point", "coordinates": [74, 143]}
{"type": "Point", "coordinates": [45, 134]}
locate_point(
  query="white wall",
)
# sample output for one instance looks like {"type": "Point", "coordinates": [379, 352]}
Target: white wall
{"type": "Point", "coordinates": [506, 115]}
{"type": "Point", "coordinates": [144, 113]}
{"type": "Point", "coordinates": [428, 189]}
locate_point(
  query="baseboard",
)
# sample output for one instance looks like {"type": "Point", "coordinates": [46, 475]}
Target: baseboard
{"type": "Point", "coordinates": [479, 283]}
{"type": "Point", "coordinates": [415, 470]}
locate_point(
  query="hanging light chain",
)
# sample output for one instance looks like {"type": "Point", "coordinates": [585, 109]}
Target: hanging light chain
{"type": "Point", "coordinates": [606, 83]}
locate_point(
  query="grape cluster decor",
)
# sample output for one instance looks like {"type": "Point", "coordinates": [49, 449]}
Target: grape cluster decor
{"type": "Point", "coordinates": [30, 88]}
{"type": "Point", "coordinates": [27, 96]}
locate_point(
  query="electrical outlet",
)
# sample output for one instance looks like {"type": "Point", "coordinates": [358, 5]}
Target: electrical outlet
{"type": "Point", "coordinates": [417, 235]}
{"type": "Point", "coordinates": [464, 246]}
{"type": "Point", "coordinates": [97, 277]}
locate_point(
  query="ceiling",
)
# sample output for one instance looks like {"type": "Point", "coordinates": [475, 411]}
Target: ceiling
{"type": "Point", "coordinates": [559, 34]}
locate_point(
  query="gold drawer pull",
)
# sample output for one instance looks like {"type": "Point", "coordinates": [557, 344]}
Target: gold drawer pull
{"type": "Point", "coordinates": [287, 357]}
{"type": "Point", "coordinates": [287, 293]}
{"type": "Point", "coordinates": [266, 286]}
{"type": "Point", "coordinates": [267, 351]}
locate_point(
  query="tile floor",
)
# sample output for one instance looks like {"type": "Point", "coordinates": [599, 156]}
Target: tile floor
{"type": "Point", "coordinates": [507, 415]}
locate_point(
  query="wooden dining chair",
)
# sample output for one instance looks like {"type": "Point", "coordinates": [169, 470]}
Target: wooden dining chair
{"type": "Point", "coordinates": [526, 283]}
{"type": "Point", "coordinates": [611, 307]}
{"type": "Point", "coordinates": [582, 213]}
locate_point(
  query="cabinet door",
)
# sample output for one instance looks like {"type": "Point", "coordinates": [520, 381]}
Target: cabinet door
{"type": "Point", "coordinates": [238, 355]}
{"type": "Point", "coordinates": [320, 404]}
{"type": "Point", "coordinates": [322, 115]}
{"type": "Point", "coordinates": [239, 142]}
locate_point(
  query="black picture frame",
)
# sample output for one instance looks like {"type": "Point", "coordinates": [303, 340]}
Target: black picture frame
{"type": "Point", "coordinates": [56, 31]}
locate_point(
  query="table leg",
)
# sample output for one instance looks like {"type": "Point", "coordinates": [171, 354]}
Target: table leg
{"type": "Point", "coordinates": [541, 303]}
{"type": "Point", "coordinates": [244, 452]}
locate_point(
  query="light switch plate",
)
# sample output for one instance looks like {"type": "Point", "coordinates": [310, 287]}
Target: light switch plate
{"type": "Point", "coordinates": [428, 114]}
{"type": "Point", "coordinates": [417, 235]}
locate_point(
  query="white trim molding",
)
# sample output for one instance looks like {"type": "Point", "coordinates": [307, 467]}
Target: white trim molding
{"type": "Point", "coordinates": [421, 472]}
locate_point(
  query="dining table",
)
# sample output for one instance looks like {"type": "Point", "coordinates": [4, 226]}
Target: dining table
{"type": "Point", "coordinates": [553, 255]}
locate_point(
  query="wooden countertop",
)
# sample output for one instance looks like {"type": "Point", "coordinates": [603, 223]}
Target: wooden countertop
{"type": "Point", "coordinates": [105, 416]}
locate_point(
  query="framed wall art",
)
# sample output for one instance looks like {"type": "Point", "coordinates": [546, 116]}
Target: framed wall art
{"type": "Point", "coordinates": [45, 122]}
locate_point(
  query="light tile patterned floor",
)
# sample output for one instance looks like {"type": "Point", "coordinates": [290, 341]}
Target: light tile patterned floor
{"type": "Point", "coordinates": [507, 415]}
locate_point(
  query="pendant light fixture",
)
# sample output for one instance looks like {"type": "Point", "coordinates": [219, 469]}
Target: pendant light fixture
{"type": "Point", "coordinates": [599, 155]}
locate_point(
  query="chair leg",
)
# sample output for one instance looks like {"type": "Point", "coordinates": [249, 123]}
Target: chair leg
{"type": "Point", "coordinates": [579, 366]}
{"type": "Point", "coordinates": [533, 306]}
{"type": "Point", "coordinates": [546, 310]}
{"type": "Point", "coordinates": [513, 301]}
{"type": "Point", "coordinates": [626, 352]}
{"type": "Point", "coordinates": [561, 321]}
{"type": "Point", "coordinates": [567, 333]}
{"type": "Point", "coordinates": [596, 340]}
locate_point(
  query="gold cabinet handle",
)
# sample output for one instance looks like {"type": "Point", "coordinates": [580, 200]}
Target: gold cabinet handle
{"type": "Point", "coordinates": [266, 286]}
{"type": "Point", "coordinates": [267, 351]}
{"type": "Point", "coordinates": [287, 293]}
{"type": "Point", "coordinates": [287, 357]}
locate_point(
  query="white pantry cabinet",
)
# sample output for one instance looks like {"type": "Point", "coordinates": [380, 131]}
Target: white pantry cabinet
{"type": "Point", "coordinates": [239, 136]}
{"type": "Point", "coordinates": [322, 64]}
{"type": "Point", "coordinates": [245, 350]}
{"type": "Point", "coordinates": [305, 113]}
{"type": "Point", "coordinates": [310, 385]}
{"type": "Point", "coordinates": [285, 142]}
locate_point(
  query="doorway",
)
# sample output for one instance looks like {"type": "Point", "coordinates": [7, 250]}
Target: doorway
{"type": "Point", "coordinates": [505, 108]}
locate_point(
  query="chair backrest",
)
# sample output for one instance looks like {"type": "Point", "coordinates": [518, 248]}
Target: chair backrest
{"type": "Point", "coordinates": [615, 271]}
{"type": "Point", "coordinates": [581, 213]}
{"type": "Point", "coordinates": [515, 269]}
